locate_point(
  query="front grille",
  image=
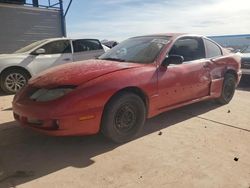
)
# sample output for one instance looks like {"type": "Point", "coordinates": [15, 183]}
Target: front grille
{"type": "Point", "coordinates": [37, 123]}
{"type": "Point", "coordinates": [245, 65]}
{"type": "Point", "coordinates": [33, 121]}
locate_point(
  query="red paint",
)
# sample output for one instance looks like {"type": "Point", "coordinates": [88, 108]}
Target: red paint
{"type": "Point", "coordinates": [98, 80]}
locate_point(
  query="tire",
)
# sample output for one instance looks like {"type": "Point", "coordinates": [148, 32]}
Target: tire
{"type": "Point", "coordinates": [13, 80]}
{"type": "Point", "coordinates": [123, 117]}
{"type": "Point", "coordinates": [228, 89]}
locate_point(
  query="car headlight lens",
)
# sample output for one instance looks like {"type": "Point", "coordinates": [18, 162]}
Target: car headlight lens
{"type": "Point", "coordinates": [43, 95]}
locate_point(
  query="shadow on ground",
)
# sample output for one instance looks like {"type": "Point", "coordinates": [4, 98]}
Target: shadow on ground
{"type": "Point", "coordinates": [2, 93]}
{"type": "Point", "coordinates": [26, 155]}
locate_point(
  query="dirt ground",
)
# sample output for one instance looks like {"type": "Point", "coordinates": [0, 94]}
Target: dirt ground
{"type": "Point", "coordinates": [200, 145]}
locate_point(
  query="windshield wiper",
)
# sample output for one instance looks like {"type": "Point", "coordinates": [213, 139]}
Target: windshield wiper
{"type": "Point", "coordinates": [114, 59]}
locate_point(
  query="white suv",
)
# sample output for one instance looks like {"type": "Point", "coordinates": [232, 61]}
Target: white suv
{"type": "Point", "coordinates": [17, 68]}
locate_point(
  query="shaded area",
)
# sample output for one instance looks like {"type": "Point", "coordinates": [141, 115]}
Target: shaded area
{"type": "Point", "coordinates": [2, 93]}
{"type": "Point", "coordinates": [7, 109]}
{"type": "Point", "coordinates": [26, 155]}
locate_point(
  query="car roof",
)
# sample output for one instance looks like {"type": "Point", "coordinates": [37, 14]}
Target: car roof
{"type": "Point", "coordinates": [173, 35]}
{"type": "Point", "coordinates": [66, 38]}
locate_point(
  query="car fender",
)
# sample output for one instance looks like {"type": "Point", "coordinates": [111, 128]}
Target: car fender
{"type": "Point", "coordinates": [223, 65]}
{"type": "Point", "coordinates": [11, 60]}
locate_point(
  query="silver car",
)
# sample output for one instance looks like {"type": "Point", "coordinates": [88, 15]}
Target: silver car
{"type": "Point", "coordinates": [245, 61]}
{"type": "Point", "coordinates": [17, 68]}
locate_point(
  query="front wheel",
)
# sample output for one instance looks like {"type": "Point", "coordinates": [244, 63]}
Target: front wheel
{"type": "Point", "coordinates": [123, 117]}
{"type": "Point", "coordinates": [228, 89]}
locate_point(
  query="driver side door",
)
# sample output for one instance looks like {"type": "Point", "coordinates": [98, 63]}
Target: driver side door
{"type": "Point", "coordinates": [56, 53]}
{"type": "Point", "coordinates": [187, 81]}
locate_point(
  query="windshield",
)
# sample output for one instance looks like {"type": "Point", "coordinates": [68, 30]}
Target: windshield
{"type": "Point", "coordinates": [30, 46]}
{"type": "Point", "coordinates": [138, 49]}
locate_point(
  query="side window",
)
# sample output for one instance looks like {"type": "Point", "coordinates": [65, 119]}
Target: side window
{"type": "Point", "coordinates": [57, 47]}
{"type": "Point", "coordinates": [188, 47]}
{"type": "Point", "coordinates": [212, 49]}
{"type": "Point", "coordinates": [86, 45]}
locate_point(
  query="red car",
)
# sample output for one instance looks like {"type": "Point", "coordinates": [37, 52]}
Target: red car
{"type": "Point", "coordinates": [138, 79]}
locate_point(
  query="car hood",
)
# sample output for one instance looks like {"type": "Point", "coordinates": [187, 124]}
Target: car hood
{"type": "Point", "coordinates": [77, 73]}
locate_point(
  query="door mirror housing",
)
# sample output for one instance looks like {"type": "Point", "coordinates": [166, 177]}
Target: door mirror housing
{"type": "Point", "coordinates": [39, 51]}
{"type": "Point", "coordinates": [173, 59]}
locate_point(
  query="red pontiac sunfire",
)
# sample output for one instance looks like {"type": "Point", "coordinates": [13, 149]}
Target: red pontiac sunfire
{"type": "Point", "coordinates": [138, 79]}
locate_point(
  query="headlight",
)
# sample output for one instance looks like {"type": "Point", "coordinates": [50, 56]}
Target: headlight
{"type": "Point", "coordinates": [43, 95]}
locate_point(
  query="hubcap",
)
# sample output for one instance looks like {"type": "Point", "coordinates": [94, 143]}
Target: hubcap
{"type": "Point", "coordinates": [14, 82]}
{"type": "Point", "coordinates": [125, 118]}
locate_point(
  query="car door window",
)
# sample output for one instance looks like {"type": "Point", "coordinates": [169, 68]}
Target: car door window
{"type": "Point", "coordinates": [190, 48]}
{"type": "Point", "coordinates": [86, 45]}
{"type": "Point", "coordinates": [57, 47]}
{"type": "Point", "coordinates": [212, 49]}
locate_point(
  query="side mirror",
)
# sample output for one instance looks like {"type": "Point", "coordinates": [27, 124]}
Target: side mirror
{"type": "Point", "coordinates": [173, 59]}
{"type": "Point", "coordinates": [39, 51]}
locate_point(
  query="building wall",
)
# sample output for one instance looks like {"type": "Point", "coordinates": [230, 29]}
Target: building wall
{"type": "Point", "coordinates": [21, 25]}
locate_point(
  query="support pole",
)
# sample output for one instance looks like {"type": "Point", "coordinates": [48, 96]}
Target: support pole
{"type": "Point", "coordinates": [63, 25]}
{"type": "Point", "coordinates": [67, 8]}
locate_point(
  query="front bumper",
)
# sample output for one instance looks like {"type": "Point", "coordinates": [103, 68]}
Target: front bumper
{"type": "Point", "coordinates": [39, 118]}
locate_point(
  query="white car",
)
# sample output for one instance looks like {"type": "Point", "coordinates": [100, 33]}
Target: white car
{"type": "Point", "coordinates": [17, 68]}
{"type": "Point", "coordinates": [245, 60]}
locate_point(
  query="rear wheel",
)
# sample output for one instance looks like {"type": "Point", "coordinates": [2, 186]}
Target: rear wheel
{"type": "Point", "coordinates": [228, 89]}
{"type": "Point", "coordinates": [123, 117]}
{"type": "Point", "coordinates": [13, 80]}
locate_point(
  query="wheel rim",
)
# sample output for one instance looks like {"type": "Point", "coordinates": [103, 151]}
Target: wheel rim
{"type": "Point", "coordinates": [229, 89]}
{"type": "Point", "coordinates": [125, 118]}
{"type": "Point", "coordinates": [14, 82]}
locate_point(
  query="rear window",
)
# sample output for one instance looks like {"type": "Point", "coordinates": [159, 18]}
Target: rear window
{"type": "Point", "coordinates": [212, 49]}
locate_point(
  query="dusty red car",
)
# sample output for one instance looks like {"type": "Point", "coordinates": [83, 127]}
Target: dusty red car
{"type": "Point", "coordinates": [138, 79]}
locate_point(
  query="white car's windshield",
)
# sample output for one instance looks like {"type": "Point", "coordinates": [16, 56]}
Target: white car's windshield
{"type": "Point", "coordinates": [139, 49]}
{"type": "Point", "coordinates": [30, 46]}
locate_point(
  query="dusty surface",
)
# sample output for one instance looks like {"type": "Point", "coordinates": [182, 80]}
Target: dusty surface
{"type": "Point", "coordinates": [201, 145]}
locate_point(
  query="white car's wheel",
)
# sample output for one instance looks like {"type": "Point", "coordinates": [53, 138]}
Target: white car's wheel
{"type": "Point", "coordinates": [13, 80]}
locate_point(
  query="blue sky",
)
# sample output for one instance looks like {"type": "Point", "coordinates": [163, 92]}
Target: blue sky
{"type": "Point", "coordinates": [120, 19]}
